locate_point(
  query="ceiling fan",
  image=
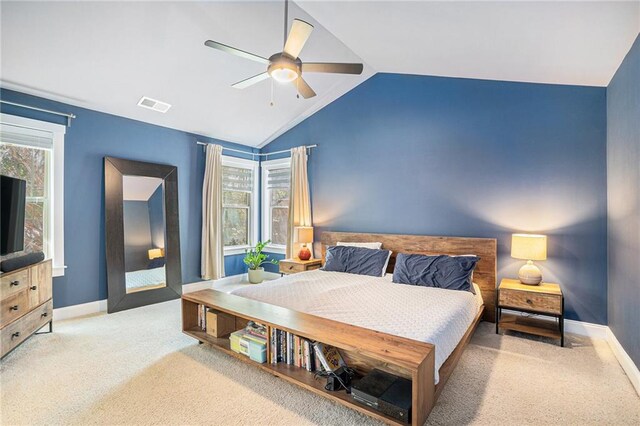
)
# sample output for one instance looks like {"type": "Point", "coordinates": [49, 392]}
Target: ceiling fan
{"type": "Point", "coordinates": [286, 66]}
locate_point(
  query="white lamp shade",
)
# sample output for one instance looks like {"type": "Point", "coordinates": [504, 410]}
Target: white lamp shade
{"type": "Point", "coordinates": [529, 246]}
{"type": "Point", "coordinates": [155, 253]}
{"type": "Point", "coordinates": [304, 234]}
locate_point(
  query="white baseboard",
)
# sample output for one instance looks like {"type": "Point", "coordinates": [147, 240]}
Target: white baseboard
{"type": "Point", "coordinates": [594, 331]}
{"type": "Point", "coordinates": [81, 310]}
{"type": "Point", "coordinates": [625, 360]}
{"type": "Point", "coordinates": [200, 285]}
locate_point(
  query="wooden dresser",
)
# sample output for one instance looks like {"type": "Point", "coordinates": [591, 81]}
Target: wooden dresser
{"type": "Point", "coordinates": [25, 304]}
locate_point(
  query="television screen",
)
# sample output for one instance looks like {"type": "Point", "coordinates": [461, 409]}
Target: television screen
{"type": "Point", "coordinates": [12, 200]}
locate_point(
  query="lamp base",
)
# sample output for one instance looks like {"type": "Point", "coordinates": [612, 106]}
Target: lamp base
{"type": "Point", "coordinates": [304, 254]}
{"type": "Point", "coordinates": [530, 274]}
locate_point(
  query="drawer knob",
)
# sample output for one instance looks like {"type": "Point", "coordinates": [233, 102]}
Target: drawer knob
{"type": "Point", "coordinates": [14, 283]}
{"type": "Point", "coordinates": [16, 334]}
{"type": "Point", "coordinates": [44, 315]}
{"type": "Point", "coordinates": [529, 301]}
{"type": "Point", "coordinates": [33, 287]}
{"type": "Point", "coordinates": [14, 308]}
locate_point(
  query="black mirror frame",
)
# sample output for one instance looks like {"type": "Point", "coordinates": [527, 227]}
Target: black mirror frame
{"type": "Point", "coordinates": [118, 299]}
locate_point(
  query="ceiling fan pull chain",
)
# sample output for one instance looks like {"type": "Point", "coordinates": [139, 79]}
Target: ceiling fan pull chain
{"type": "Point", "coordinates": [297, 88]}
{"type": "Point", "coordinates": [271, 104]}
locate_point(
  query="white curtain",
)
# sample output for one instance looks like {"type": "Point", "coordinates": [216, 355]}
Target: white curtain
{"type": "Point", "coordinates": [299, 201]}
{"type": "Point", "coordinates": [212, 257]}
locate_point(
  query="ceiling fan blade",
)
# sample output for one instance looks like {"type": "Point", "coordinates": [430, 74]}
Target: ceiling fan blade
{"type": "Point", "coordinates": [332, 68]}
{"type": "Point", "coordinates": [243, 84]}
{"type": "Point", "coordinates": [300, 32]}
{"type": "Point", "coordinates": [237, 52]}
{"type": "Point", "coordinates": [304, 89]}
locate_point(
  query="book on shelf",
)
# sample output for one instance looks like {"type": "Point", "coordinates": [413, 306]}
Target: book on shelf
{"type": "Point", "coordinates": [291, 349]}
{"type": "Point", "coordinates": [329, 357]}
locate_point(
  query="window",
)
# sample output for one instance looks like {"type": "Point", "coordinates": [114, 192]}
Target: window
{"type": "Point", "coordinates": [239, 204]}
{"type": "Point", "coordinates": [34, 151]}
{"type": "Point", "coordinates": [276, 175]}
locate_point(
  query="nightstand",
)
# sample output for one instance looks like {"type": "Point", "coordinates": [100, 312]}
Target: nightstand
{"type": "Point", "coordinates": [293, 266]}
{"type": "Point", "coordinates": [544, 299]}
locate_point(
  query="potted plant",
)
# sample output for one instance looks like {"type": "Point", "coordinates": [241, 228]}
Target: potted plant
{"type": "Point", "coordinates": [254, 259]}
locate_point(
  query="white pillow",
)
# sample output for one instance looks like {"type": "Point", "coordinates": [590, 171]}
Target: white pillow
{"type": "Point", "coordinates": [375, 246]}
{"type": "Point", "coordinates": [386, 264]}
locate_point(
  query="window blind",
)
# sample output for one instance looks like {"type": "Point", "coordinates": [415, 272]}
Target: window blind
{"type": "Point", "coordinates": [237, 179]}
{"type": "Point", "coordinates": [17, 135]}
{"type": "Point", "coordinates": [279, 178]}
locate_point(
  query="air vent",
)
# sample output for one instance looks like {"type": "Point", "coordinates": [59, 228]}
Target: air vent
{"type": "Point", "coordinates": [153, 104]}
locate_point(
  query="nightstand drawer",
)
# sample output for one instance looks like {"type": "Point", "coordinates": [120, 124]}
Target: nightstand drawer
{"type": "Point", "coordinates": [544, 303]}
{"type": "Point", "coordinates": [291, 267]}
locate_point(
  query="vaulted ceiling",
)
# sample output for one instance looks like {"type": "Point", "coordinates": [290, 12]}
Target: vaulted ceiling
{"type": "Point", "coordinates": [107, 55]}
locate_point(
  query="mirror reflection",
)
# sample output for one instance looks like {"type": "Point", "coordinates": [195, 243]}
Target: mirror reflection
{"type": "Point", "coordinates": [144, 233]}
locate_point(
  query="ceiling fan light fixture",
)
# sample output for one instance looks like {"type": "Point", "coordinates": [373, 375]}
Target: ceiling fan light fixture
{"type": "Point", "coordinates": [284, 71]}
{"type": "Point", "coordinates": [283, 75]}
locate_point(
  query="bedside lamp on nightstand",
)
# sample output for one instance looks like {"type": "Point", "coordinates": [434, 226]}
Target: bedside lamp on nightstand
{"type": "Point", "coordinates": [529, 247]}
{"type": "Point", "coordinates": [304, 236]}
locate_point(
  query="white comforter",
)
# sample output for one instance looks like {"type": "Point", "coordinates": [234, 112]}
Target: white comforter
{"type": "Point", "coordinates": [433, 315]}
{"type": "Point", "coordinates": [145, 277]}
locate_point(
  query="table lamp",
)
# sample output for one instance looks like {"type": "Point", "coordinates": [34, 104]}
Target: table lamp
{"type": "Point", "coordinates": [304, 236]}
{"type": "Point", "coordinates": [529, 247]}
{"type": "Point", "coordinates": [155, 253]}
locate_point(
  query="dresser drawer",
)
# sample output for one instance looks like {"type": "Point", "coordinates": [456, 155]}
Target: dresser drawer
{"type": "Point", "coordinates": [13, 283]}
{"type": "Point", "coordinates": [13, 307]}
{"type": "Point", "coordinates": [15, 333]}
{"type": "Point", "coordinates": [543, 303]}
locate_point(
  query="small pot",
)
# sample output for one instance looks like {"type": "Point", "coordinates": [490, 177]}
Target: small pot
{"type": "Point", "coordinates": [256, 276]}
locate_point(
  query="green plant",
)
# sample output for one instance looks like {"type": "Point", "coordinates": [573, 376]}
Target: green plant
{"type": "Point", "coordinates": [255, 258]}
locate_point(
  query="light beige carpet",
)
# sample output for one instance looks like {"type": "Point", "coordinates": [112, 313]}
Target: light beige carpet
{"type": "Point", "coordinates": [136, 367]}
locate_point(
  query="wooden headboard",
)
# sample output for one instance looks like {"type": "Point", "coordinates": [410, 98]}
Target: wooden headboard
{"type": "Point", "coordinates": [486, 248]}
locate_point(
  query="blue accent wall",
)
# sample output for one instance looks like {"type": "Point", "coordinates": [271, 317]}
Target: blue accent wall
{"type": "Point", "coordinates": [92, 136]}
{"type": "Point", "coordinates": [623, 178]}
{"type": "Point", "coordinates": [445, 156]}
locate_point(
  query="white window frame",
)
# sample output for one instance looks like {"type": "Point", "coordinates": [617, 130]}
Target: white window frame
{"type": "Point", "coordinates": [27, 126]}
{"type": "Point", "coordinates": [253, 211]}
{"type": "Point", "coordinates": [267, 166]}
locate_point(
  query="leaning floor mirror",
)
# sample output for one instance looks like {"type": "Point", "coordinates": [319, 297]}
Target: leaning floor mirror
{"type": "Point", "coordinates": [142, 233]}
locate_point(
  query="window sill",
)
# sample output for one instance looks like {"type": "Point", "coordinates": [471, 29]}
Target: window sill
{"type": "Point", "coordinates": [231, 251]}
{"type": "Point", "coordinates": [58, 271]}
{"type": "Point", "coordinates": [275, 249]}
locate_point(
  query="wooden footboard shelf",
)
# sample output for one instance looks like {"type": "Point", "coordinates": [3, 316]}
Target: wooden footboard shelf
{"type": "Point", "coordinates": [362, 349]}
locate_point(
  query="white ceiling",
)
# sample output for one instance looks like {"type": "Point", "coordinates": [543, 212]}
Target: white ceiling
{"type": "Point", "coordinates": [106, 55]}
{"type": "Point", "coordinates": [570, 42]}
{"type": "Point", "coordinates": [139, 188]}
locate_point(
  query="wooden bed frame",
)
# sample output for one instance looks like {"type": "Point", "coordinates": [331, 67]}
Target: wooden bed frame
{"type": "Point", "coordinates": [363, 349]}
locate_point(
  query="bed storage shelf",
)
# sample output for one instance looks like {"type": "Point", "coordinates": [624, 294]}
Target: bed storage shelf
{"type": "Point", "coordinates": [362, 349]}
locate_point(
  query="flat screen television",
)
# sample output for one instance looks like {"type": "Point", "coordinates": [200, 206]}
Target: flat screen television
{"type": "Point", "coordinates": [12, 201]}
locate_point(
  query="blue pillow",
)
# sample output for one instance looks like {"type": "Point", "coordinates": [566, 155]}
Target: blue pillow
{"type": "Point", "coordinates": [356, 260]}
{"type": "Point", "coordinates": [450, 272]}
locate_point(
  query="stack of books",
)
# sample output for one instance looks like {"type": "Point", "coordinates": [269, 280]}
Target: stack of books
{"type": "Point", "coordinates": [251, 341]}
{"type": "Point", "coordinates": [295, 350]}
{"type": "Point", "coordinates": [202, 317]}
